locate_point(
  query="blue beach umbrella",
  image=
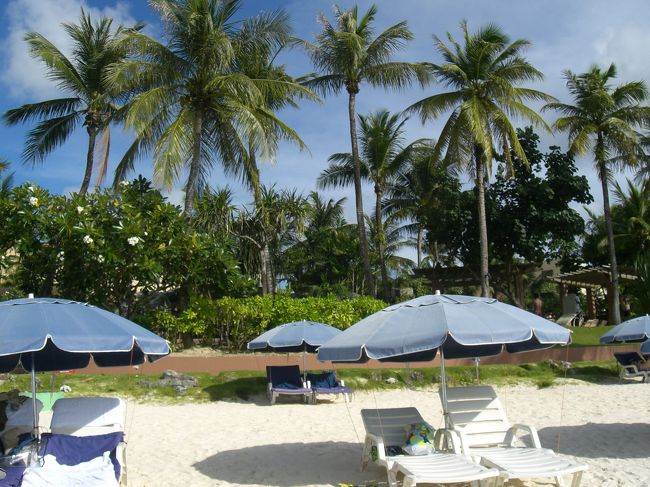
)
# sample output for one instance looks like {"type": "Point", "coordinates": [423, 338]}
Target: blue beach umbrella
{"type": "Point", "coordinates": [297, 336]}
{"type": "Point", "coordinates": [457, 326]}
{"type": "Point", "coordinates": [634, 330]}
{"type": "Point", "coordinates": [47, 334]}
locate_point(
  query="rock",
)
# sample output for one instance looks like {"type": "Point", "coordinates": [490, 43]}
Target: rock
{"type": "Point", "coordinates": [416, 376]}
{"type": "Point", "coordinates": [65, 388]}
{"type": "Point", "coordinates": [179, 382]}
{"type": "Point", "coordinates": [391, 380]}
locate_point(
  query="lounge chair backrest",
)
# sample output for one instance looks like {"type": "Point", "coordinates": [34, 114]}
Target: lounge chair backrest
{"type": "Point", "coordinates": [477, 412]}
{"type": "Point", "coordinates": [390, 424]}
{"type": "Point", "coordinates": [87, 416]}
{"type": "Point", "coordinates": [628, 358]}
{"type": "Point", "coordinates": [284, 374]}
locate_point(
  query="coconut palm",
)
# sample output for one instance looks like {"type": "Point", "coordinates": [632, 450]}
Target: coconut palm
{"type": "Point", "coordinates": [192, 105]}
{"type": "Point", "coordinates": [383, 155]}
{"type": "Point", "coordinates": [260, 40]}
{"type": "Point", "coordinates": [347, 54]}
{"type": "Point", "coordinates": [6, 182]}
{"type": "Point", "coordinates": [419, 190]}
{"type": "Point", "coordinates": [484, 74]}
{"type": "Point", "coordinates": [91, 101]}
{"type": "Point", "coordinates": [603, 120]}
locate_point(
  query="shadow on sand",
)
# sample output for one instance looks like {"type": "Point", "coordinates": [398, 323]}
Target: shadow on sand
{"type": "Point", "coordinates": [595, 440]}
{"type": "Point", "coordinates": [291, 464]}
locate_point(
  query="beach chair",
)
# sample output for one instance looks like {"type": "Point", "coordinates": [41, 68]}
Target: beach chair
{"type": "Point", "coordinates": [386, 431]}
{"type": "Point", "coordinates": [286, 380]}
{"type": "Point", "coordinates": [327, 383]}
{"type": "Point", "coordinates": [92, 416]}
{"type": "Point", "coordinates": [476, 415]}
{"type": "Point", "coordinates": [628, 362]}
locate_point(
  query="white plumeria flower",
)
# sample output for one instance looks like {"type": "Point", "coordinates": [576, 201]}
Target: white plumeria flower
{"type": "Point", "coordinates": [31, 189]}
{"type": "Point", "coordinates": [61, 255]}
{"type": "Point", "coordinates": [33, 201]}
{"type": "Point", "coordinates": [100, 258]}
{"type": "Point", "coordinates": [80, 209]}
{"type": "Point", "coordinates": [145, 234]}
{"type": "Point", "coordinates": [133, 240]}
{"type": "Point", "coordinates": [88, 239]}
{"type": "Point", "coordinates": [124, 183]}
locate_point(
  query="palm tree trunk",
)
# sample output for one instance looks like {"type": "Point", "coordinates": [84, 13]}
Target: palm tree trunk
{"type": "Point", "coordinates": [615, 311]}
{"type": "Point", "coordinates": [361, 225]}
{"type": "Point", "coordinates": [266, 273]}
{"type": "Point", "coordinates": [195, 164]}
{"type": "Point", "coordinates": [381, 244]}
{"type": "Point", "coordinates": [90, 156]}
{"type": "Point", "coordinates": [420, 238]}
{"type": "Point", "coordinates": [482, 220]}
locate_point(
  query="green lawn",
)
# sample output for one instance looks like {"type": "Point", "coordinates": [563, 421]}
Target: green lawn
{"type": "Point", "coordinates": [247, 385]}
{"type": "Point", "coordinates": [585, 337]}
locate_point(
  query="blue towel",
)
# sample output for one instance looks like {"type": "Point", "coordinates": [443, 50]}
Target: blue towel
{"type": "Point", "coordinates": [73, 450]}
{"type": "Point", "coordinates": [325, 380]}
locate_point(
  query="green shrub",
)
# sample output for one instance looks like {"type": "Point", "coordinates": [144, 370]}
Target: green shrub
{"type": "Point", "coordinates": [232, 322]}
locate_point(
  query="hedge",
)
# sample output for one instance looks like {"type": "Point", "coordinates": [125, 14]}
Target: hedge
{"type": "Point", "coordinates": [232, 322]}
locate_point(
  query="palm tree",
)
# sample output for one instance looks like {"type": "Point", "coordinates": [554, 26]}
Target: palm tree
{"type": "Point", "coordinates": [603, 120]}
{"type": "Point", "coordinates": [484, 74]}
{"type": "Point", "coordinates": [92, 101]}
{"type": "Point", "coordinates": [7, 181]}
{"type": "Point", "coordinates": [256, 59]}
{"type": "Point", "coordinates": [348, 54]}
{"type": "Point", "coordinates": [419, 190]}
{"type": "Point", "coordinates": [382, 156]}
{"type": "Point", "coordinates": [192, 105]}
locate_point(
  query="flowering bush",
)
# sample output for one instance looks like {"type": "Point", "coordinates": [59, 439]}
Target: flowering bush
{"type": "Point", "coordinates": [117, 249]}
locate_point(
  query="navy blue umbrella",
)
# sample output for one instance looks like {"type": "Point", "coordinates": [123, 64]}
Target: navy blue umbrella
{"type": "Point", "coordinates": [46, 334]}
{"type": "Point", "coordinates": [457, 326]}
{"type": "Point", "coordinates": [297, 336]}
{"type": "Point", "coordinates": [645, 347]}
{"type": "Point", "coordinates": [634, 330]}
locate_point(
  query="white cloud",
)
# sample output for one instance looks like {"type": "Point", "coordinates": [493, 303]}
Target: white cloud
{"type": "Point", "coordinates": [24, 76]}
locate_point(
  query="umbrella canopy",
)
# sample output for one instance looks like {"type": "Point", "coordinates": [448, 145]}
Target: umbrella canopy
{"type": "Point", "coordinates": [297, 336]}
{"type": "Point", "coordinates": [46, 334]}
{"type": "Point", "coordinates": [460, 326]}
{"type": "Point", "coordinates": [645, 347]}
{"type": "Point", "coordinates": [634, 330]}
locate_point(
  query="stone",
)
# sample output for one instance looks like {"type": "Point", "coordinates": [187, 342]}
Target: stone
{"type": "Point", "coordinates": [391, 380]}
{"type": "Point", "coordinates": [177, 381]}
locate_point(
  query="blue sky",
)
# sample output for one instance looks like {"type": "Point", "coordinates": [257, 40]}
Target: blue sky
{"type": "Point", "coordinates": [564, 35]}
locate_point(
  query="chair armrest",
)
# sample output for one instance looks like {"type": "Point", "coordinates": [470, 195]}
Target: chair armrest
{"type": "Point", "coordinates": [511, 436]}
{"type": "Point", "coordinates": [306, 384]}
{"type": "Point", "coordinates": [377, 441]}
{"type": "Point", "coordinates": [631, 369]}
{"type": "Point", "coordinates": [341, 383]}
{"type": "Point", "coordinates": [452, 439]}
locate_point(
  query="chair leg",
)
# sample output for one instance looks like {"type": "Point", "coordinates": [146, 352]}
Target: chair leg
{"type": "Point", "coordinates": [559, 481]}
{"type": "Point", "coordinates": [365, 455]}
{"type": "Point", "coordinates": [577, 478]}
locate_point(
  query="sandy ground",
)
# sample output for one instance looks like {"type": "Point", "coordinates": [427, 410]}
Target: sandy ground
{"type": "Point", "coordinates": [293, 444]}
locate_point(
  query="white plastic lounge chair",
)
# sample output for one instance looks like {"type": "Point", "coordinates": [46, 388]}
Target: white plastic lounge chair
{"type": "Point", "coordinates": [89, 416]}
{"type": "Point", "coordinates": [476, 415]}
{"type": "Point", "coordinates": [387, 427]}
{"type": "Point", "coordinates": [628, 361]}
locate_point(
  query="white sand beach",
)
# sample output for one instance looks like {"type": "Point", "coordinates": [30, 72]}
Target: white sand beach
{"type": "Point", "coordinates": [292, 444]}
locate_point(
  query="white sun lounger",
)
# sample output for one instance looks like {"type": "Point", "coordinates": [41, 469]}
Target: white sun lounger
{"type": "Point", "coordinates": [476, 415]}
{"type": "Point", "coordinates": [89, 416]}
{"type": "Point", "coordinates": [387, 427]}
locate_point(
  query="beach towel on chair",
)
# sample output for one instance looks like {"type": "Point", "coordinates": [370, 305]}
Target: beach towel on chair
{"type": "Point", "coordinates": [76, 460]}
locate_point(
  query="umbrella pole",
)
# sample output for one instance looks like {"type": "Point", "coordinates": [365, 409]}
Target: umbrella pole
{"type": "Point", "coordinates": [304, 362]}
{"type": "Point", "coordinates": [34, 408]}
{"type": "Point", "coordinates": [443, 388]}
